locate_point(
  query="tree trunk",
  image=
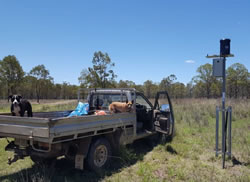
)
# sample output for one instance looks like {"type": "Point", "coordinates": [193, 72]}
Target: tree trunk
{"type": "Point", "coordinates": [37, 93]}
{"type": "Point", "coordinates": [236, 90]}
{"type": "Point", "coordinates": [8, 93]}
{"type": "Point", "coordinates": [208, 92]}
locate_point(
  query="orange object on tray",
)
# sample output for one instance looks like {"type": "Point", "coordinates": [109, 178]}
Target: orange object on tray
{"type": "Point", "coordinates": [101, 112]}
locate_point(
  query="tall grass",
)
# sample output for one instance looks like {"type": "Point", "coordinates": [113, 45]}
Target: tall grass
{"type": "Point", "coordinates": [43, 106]}
{"type": "Point", "coordinates": [190, 156]}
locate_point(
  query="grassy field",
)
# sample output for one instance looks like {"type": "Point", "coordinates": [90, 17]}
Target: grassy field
{"type": "Point", "coordinates": [43, 106]}
{"type": "Point", "coordinates": [189, 156]}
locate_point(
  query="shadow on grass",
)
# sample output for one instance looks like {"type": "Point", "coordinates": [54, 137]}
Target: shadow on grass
{"type": "Point", "coordinates": [171, 150]}
{"type": "Point", "coordinates": [63, 170]}
{"type": "Point", "coordinates": [237, 162]}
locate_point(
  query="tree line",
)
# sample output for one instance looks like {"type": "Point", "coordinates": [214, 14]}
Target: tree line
{"type": "Point", "coordinates": [35, 84]}
{"type": "Point", "coordinates": [38, 84]}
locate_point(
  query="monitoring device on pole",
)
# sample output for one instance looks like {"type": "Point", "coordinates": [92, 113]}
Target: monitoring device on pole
{"type": "Point", "coordinates": [225, 47]}
{"type": "Point", "coordinates": [219, 70]}
{"type": "Point", "coordinates": [218, 67]}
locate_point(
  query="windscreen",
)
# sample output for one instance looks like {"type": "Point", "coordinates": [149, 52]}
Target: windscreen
{"type": "Point", "coordinates": [103, 100]}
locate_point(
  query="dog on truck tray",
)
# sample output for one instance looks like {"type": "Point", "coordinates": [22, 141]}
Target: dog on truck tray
{"type": "Point", "coordinates": [19, 106]}
{"type": "Point", "coordinates": [116, 107]}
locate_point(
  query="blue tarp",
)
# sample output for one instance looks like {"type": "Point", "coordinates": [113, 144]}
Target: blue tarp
{"type": "Point", "coordinates": [81, 109]}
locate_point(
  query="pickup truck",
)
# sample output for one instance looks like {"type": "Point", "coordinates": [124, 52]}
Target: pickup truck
{"type": "Point", "coordinates": [89, 139]}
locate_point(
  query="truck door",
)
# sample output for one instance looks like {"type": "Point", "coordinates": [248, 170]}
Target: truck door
{"type": "Point", "coordinates": [163, 116]}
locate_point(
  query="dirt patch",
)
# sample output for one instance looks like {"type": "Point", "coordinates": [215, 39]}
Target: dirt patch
{"type": "Point", "coordinates": [159, 173]}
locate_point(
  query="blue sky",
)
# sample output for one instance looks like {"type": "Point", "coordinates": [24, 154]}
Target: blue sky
{"type": "Point", "coordinates": [146, 39]}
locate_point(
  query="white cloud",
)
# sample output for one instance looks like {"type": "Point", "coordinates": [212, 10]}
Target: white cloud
{"type": "Point", "coordinates": [190, 61]}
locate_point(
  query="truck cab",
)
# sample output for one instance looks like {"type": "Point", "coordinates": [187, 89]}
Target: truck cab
{"type": "Point", "coordinates": [151, 116]}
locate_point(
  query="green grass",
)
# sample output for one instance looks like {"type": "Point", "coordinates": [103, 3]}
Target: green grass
{"type": "Point", "coordinates": [189, 156]}
{"type": "Point", "coordinates": [43, 106]}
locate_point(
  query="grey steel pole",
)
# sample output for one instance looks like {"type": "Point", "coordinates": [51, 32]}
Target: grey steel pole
{"type": "Point", "coordinates": [217, 131]}
{"type": "Point", "coordinates": [223, 111]}
{"type": "Point", "coordinates": [230, 132]}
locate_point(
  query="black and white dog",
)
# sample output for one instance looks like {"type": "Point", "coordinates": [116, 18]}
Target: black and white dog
{"type": "Point", "coordinates": [19, 106]}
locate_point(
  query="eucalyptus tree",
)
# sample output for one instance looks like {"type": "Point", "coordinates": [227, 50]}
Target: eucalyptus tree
{"type": "Point", "coordinates": [11, 74]}
{"type": "Point", "coordinates": [42, 79]}
{"type": "Point", "coordinates": [101, 74]}
{"type": "Point", "coordinates": [237, 80]}
{"type": "Point", "coordinates": [204, 80]}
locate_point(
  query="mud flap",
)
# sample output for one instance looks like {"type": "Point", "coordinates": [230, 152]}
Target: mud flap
{"type": "Point", "coordinates": [79, 161]}
{"type": "Point", "coordinates": [82, 152]}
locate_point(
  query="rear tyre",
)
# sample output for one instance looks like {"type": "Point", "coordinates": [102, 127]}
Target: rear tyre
{"type": "Point", "coordinates": [99, 154]}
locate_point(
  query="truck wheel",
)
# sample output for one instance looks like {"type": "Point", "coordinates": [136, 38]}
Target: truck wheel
{"type": "Point", "coordinates": [163, 138]}
{"type": "Point", "coordinates": [99, 155]}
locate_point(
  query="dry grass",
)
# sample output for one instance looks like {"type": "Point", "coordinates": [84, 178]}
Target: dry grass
{"type": "Point", "coordinates": [189, 156]}
{"type": "Point", "coordinates": [43, 106]}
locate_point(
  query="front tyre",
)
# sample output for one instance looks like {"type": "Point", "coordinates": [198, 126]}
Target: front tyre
{"type": "Point", "coordinates": [99, 155]}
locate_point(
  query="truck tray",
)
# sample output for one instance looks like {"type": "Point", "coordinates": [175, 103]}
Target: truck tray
{"type": "Point", "coordinates": [55, 127]}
